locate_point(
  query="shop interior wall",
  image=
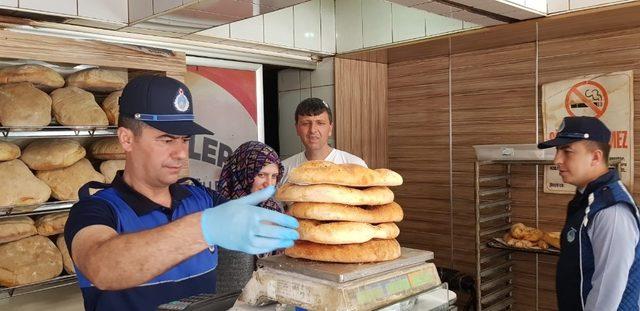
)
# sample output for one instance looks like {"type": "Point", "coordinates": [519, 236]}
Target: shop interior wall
{"type": "Point", "coordinates": [446, 95]}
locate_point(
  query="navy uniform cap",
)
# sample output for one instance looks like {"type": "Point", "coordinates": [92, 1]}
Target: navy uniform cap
{"type": "Point", "coordinates": [573, 129]}
{"type": "Point", "coordinates": [161, 102]}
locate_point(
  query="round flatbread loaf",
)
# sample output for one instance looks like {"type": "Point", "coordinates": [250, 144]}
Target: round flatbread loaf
{"type": "Point", "coordinates": [73, 106]}
{"type": "Point", "coordinates": [50, 154]}
{"type": "Point", "coordinates": [40, 76]}
{"type": "Point", "coordinates": [19, 187]}
{"type": "Point", "coordinates": [110, 168]}
{"type": "Point", "coordinates": [16, 228]}
{"type": "Point", "coordinates": [65, 182]}
{"type": "Point", "coordinates": [22, 104]}
{"type": "Point", "coordinates": [9, 151]}
{"type": "Point", "coordinates": [353, 175]}
{"type": "Point", "coordinates": [51, 224]}
{"type": "Point", "coordinates": [334, 194]}
{"type": "Point", "coordinates": [107, 149]}
{"type": "Point", "coordinates": [99, 80]}
{"type": "Point", "coordinates": [29, 260]}
{"type": "Point", "coordinates": [111, 107]}
{"type": "Point", "coordinates": [345, 232]}
{"type": "Point", "coordinates": [66, 258]}
{"type": "Point", "coordinates": [391, 212]}
{"type": "Point", "coordinates": [372, 251]}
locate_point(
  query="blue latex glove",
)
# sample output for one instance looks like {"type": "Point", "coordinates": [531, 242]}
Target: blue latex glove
{"type": "Point", "coordinates": [242, 226]}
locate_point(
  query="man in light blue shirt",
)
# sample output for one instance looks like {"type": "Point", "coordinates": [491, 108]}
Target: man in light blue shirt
{"type": "Point", "coordinates": [599, 266]}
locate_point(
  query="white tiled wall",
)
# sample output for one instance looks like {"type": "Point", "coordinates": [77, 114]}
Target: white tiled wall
{"type": "Point", "coordinates": [408, 23]}
{"type": "Point", "coordinates": [438, 24]}
{"type": "Point", "coordinates": [349, 25]}
{"type": "Point", "coordinates": [376, 23]}
{"type": "Point", "coordinates": [160, 6]}
{"type": "Point", "coordinates": [295, 85]}
{"type": "Point", "coordinates": [12, 3]}
{"type": "Point", "coordinates": [219, 32]}
{"type": "Point", "coordinates": [328, 25]}
{"type": "Point", "coordinates": [69, 7]}
{"type": "Point", "coordinates": [107, 10]}
{"type": "Point", "coordinates": [278, 27]}
{"type": "Point", "coordinates": [307, 25]}
{"type": "Point", "coordinates": [250, 29]}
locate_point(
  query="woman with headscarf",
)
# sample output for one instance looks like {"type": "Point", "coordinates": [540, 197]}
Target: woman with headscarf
{"type": "Point", "coordinates": [251, 167]}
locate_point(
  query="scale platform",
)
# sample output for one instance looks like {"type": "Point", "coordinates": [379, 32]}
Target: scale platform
{"type": "Point", "coordinates": [345, 287]}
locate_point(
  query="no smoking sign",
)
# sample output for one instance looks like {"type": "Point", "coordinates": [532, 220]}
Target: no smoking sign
{"type": "Point", "coordinates": [587, 98]}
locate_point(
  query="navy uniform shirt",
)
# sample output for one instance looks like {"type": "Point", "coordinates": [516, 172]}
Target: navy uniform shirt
{"type": "Point", "coordinates": [95, 211]}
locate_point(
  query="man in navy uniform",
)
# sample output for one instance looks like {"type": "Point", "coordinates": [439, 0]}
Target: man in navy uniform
{"type": "Point", "coordinates": [147, 239]}
{"type": "Point", "coordinates": [599, 265]}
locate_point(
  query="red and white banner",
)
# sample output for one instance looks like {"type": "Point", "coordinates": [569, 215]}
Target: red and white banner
{"type": "Point", "coordinates": [227, 102]}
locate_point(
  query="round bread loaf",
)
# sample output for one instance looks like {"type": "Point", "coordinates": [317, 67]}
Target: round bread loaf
{"type": "Point", "coordinates": [109, 169]}
{"type": "Point", "coordinates": [345, 232]}
{"type": "Point", "coordinates": [111, 107]}
{"type": "Point", "coordinates": [107, 149]}
{"type": "Point", "coordinates": [51, 224]}
{"type": "Point", "coordinates": [391, 212]}
{"type": "Point", "coordinates": [9, 151]}
{"type": "Point", "coordinates": [372, 251]}
{"type": "Point", "coordinates": [99, 80]}
{"type": "Point", "coordinates": [74, 107]}
{"type": "Point", "coordinates": [22, 104]}
{"type": "Point", "coordinates": [334, 194]}
{"type": "Point", "coordinates": [50, 154]}
{"type": "Point", "coordinates": [40, 76]}
{"type": "Point", "coordinates": [353, 175]}
{"type": "Point", "coordinates": [29, 260]}
{"type": "Point", "coordinates": [66, 257]}
{"type": "Point", "coordinates": [19, 187]}
{"type": "Point", "coordinates": [65, 182]}
{"type": "Point", "coordinates": [16, 228]}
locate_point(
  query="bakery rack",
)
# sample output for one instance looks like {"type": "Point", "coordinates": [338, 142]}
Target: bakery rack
{"type": "Point", "coordinates": [494, 277]}
{"type": "Point", "coordinates": [52, 131]}
{"type": "Point", "coordinates": [60, 281]}
{"type": "Point", "coordinates": [57, 131]}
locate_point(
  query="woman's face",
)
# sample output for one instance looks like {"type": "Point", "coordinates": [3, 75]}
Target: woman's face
{"type": "Point", "coordinates": [268, 176]}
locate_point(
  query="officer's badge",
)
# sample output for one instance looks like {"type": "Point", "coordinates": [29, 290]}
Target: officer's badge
{"type": "Point", "coordinates": [181, 102]}
{"type": "Point", "coordinates": [571, 235]}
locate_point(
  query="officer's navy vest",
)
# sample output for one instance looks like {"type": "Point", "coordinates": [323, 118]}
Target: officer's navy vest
{"type": "Point", "coordinates": [576, 264]}
{"type": "Point", "coordinates": [192, 276]}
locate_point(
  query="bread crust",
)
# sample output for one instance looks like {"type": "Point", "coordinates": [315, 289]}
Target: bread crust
{"type": "Point", "coordinates": [99, 80]}
{"type": "Point", "coordinates": [376, 214]}
{"type": "Point", "coordinates": [51, 224]}
{"type": "Point", "coordinates": [334, 194]}
{"type": "Point", "coordinates": [108, 149]}
{"type": "Point", "coordinates": [18, 185]}
{"type": "Point", "coordinates": [345, 232]}
{"type": "Point", "coordinates": [51, 154]}
{"type": "Point", "coordinates": [352, 175]}
{"type": "Point", "coordinates": [75, 107]}
{"type": "Point", "coordinates": [371, 251]}
{"type": "Point", "coordinates": [40, 76]}
{"type": "Point", "coordinates": [16, 228]}
{"type": "Point", "coordinates": [29, 260]}
{"type": "Point", "coordinates": [66, 182]}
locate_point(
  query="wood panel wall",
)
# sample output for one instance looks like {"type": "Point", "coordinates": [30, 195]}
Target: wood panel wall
{"type": "Point", "coordinates": [361, 110]}
{"type": "Point", "coordinates": [17, 45]}
{"type": "Point", "coordinates": [448, 94]}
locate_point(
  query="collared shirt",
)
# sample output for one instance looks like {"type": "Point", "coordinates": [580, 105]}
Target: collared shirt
{"type": "Point", "coordinates": [96, 211]}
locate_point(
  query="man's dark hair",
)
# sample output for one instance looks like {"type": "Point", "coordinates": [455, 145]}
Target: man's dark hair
{"type": "Point", "coordinates": [312, 107]}
{"type": "Point", "coordinates": [132, 124]}
{"type": "Point", "coordinates": [597, 145]}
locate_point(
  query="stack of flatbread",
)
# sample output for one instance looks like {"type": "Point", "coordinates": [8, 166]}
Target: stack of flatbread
{"type": "Point", "coordinates": [346, 212]}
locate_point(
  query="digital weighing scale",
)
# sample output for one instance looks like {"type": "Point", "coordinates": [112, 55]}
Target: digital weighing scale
{"type": "Point", "coordinates": [316, 285]}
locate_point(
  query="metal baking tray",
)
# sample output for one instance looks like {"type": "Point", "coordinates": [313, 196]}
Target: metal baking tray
{"type": "Point", "coordinates": [499, 243]}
